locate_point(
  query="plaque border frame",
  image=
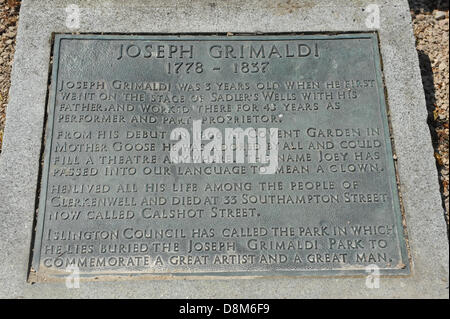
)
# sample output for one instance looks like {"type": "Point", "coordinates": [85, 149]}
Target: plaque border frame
{"type": "Point", "coordinates": [391, 170]}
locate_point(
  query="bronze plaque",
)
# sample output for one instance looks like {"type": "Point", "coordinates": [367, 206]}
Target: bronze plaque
{"type": "Point", "coordinates": [218, 155]}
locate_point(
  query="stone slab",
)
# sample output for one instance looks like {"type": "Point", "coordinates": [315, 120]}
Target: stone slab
{"type": "Point", "coordinates": [19, 162]}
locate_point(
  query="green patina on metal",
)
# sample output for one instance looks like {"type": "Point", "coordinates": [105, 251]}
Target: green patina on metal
{"type": "Point", "coordinates": [112, 202]}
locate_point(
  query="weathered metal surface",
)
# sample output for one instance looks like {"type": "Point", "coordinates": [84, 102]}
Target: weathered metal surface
{"type": "Point", "coordinates": [113, 202]}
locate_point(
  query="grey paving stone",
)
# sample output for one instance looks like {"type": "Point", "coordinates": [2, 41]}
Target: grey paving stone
{"type": "Point", "coordinates": [19, 161]}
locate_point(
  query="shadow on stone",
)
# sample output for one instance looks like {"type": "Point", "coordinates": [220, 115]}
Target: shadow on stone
{"type": "Point", "coordinates": [430, 98]}
{"type": "Point", "coordinates": [428, 5]}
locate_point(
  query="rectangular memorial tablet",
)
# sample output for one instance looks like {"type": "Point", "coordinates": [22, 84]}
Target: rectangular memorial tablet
{"type": "Point", "coordinates": [214, 155]}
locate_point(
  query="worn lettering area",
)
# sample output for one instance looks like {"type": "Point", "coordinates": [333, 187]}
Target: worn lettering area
{"type": "Point", "coordinates": [113, 201]}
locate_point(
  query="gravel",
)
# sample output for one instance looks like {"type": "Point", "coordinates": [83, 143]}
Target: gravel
{"type": "Point", "coordinates": [431, 28]}
{"type": "Point", "coordinates": [9, 14]}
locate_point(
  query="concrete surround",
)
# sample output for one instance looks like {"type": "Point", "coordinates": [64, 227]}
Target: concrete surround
{"type": "Point", "coordinates": [19, 160]}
